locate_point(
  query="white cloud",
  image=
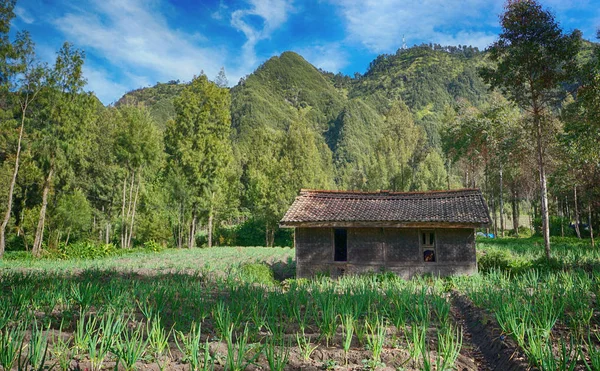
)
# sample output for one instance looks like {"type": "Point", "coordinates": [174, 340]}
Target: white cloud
{"type": "Point", "coordinates": [329, 57]}
{"type": "Point", "coordinates": [135, 38]}
{"type": "Point", "coordinates": [380, 24]}
{"type": "Point", "coordinates": [219, 14]}
{"type": "Point", "coordinates": [23, 15]}
{"type": "Point", "coordinates": [107, 90]}
{"type": "Point", "coordinates": [273, 12]}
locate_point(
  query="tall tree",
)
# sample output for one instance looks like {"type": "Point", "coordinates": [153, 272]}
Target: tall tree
{"type": "Point", "coordinates": [199, 146]}
{"type": "Point", "coordinates": [21, 78]}
{"type": "Point", "coordinates": [279, 167]}
{"type": "Point", "coordinates": [63, 113]}
{"type": "Point", "coordinates": [533, 56]}
{"type": "Point", "coordinates": [138, 148]}
{"type": "Point", "coordinates": [431, 173]}
{"type": "Point", "coordinates": [390, 169]}
{"type": "Point", "coordinates": [581, 139]}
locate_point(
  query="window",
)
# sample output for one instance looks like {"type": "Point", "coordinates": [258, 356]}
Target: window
{"type": "Point", "coordinates": [428, 246]}
{"type": "Point", "coordinates": [340, 242]}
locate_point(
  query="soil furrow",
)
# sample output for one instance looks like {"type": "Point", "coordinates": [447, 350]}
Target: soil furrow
{"type": "Point", "coordinates": [490, 349]}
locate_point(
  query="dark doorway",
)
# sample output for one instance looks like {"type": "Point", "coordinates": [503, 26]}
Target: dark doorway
{"type": "Point", "coordinates": [341, 245]}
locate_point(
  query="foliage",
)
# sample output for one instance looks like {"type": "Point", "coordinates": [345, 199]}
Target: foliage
{"type": "Point", "coordinates": [198, 145]}
{"type": "Point", "coordinates": [159, 100]}
{"type": "Point", "coordinates": [170, 164]}
{"type": "Point", "coordinates": [251, 233]}
{"type": "Point", "coordinates": [81, 250]}
{"type": "Point", "coordinates": [499, 259]}
{"type": "Point", "coordinates": [532, 59]}
{"type": "Point", "coordinates": [530, 300]}
{"type": "Point", "coordinates": [256, 273]}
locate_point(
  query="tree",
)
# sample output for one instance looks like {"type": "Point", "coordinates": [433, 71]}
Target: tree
{"type": "Point", "coordinates": [431, 173]}
{"type": "Point", "coordinates": [581, 138]}
{"type": "Point", "coordinates": [21, 79]}
{"type": "Point", "coordinates": [138, 148]}
{"type": "Point", "coordinates": [221, 79]}
{"type": "Point", "coordinates": [72, 215]}
{"type": "Point", "coordinates": [199, 147]}
{"type": "Point", "coordinates": [390, 169]}
{"type": "Point", "coordinates": [102, 178]}
{"type": "Point", "coordinates": [532, 57]}
{"type": "Point", "coordinates": [64, 111]}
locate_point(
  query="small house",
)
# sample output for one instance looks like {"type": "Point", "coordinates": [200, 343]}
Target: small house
{"type": "Point", "coordinates": [413, 233]}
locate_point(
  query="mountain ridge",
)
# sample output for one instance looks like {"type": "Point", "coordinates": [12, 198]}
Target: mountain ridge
{"type": "Point", "coordinates": [348, 118]}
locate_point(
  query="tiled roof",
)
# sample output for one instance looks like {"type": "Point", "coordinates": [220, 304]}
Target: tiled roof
{"type": "Point", "coordinates": [456, 206]}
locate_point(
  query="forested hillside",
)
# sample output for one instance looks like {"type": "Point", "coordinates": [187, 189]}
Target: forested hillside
{"type": "Point", "coordinates": [173, 163]}
{"type": "Point", "coordinates": [409, 91]}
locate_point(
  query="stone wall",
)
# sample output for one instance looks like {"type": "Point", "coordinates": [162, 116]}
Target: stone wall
{"type": "Point", "coordinates": [385, 249]}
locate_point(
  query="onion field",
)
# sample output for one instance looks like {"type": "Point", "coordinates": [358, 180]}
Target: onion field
{"type": "Point", "coordinates": [229, 308]}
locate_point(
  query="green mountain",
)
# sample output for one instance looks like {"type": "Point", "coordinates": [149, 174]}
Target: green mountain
{"type": "Point", "coordinates": [426, 78]}
{"type": "Point", "coordinates": [158, 99]}
{"type": "Point", "coordinates": [348, 120]}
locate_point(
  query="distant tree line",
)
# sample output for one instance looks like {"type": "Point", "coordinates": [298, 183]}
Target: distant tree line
{"type": "Point", "coordinates": [189, 164]}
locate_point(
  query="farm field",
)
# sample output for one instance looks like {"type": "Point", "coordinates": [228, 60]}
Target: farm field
{"type": "Point", "coordinates": [228, 308]}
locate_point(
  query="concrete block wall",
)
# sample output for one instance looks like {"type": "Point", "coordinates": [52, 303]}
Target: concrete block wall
{"type": "Point", "coordinates": [385, 249]}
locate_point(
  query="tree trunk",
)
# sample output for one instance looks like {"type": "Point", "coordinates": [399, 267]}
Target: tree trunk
{"type": "Point", "coordinates": [576, 211]}
{"type": "Point", "coordinates": [25, 241]}
{"type": "Point", "coordinates": [590, 224]}
{"type": "Point", "coordinates": [39, 233]}
{"type": "Point", "coordinates": [501, 204]}
{"type": "Point", "coordinates": [267, 234]}
{"type": "Point", "coordinates": [210, 227]}
{"type": "Point", "coordinates": [192, 240]}
{"type": "Point", "coordinates": [107, 237]}
{"type": "Point", "coordinates": [562, 218]}
{"type": "Point", "coordinates": [123, 212]}
{"type": "Point", "coordinates": [515, 212]}
{"type": "Point", "coordinates": [271, 237]}
{"type": "Point", "coordinates": [127, 236]}
{"type": "Point", "coordinates": [447, 174]}
{"type": "Point", "coordinates": [132, 222]}
{"type": "Point", "coordinates": [493, 210]}
{"type": "Point", "coordinates": [543, 188]}
{"type": "Point", "coordinates": [487, 192]}
{"type": "Point", "coordinates": [179, 228]}
{"type": "Point", "coordinates": [11, 187]}
{"type": "Point", "coordinates": [531, 220]}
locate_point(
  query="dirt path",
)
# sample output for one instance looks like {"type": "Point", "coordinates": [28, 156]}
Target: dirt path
{"type": "Point", "coordinates": [482, 335]}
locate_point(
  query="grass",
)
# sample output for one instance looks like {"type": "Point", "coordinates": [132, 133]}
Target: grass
{"type": "Point", "coordinates": [221, 308]}
{"type": "Point", "coordinates": [220, 260]}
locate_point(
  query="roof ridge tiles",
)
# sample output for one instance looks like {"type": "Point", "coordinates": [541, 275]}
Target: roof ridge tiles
{"type": "Point", "coordinates": [453, 206]}
{"type": "Point", "coordinates": [305, 191]}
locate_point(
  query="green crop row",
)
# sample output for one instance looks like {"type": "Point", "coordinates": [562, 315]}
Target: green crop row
{"type": "Point", "coordinates": [126, 318]}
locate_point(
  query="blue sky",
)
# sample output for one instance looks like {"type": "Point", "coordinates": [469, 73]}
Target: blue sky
{"type": "Point", "coordinates": [135, 43]}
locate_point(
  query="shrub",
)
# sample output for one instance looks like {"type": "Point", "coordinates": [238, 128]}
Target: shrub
{"type": "Point", "coordinates": [19, 255]}
{"type": "Point", "coordinates": [82, 250]}
{"type": "Point", "coordinates": [256, 273]}
{"type": "Point", "coordinates": [16, 243]}
{"type": "Point", "coordinates": [251, 233]}
{"type": "Point", "coordinates": [501, 259]}
{"type": "Point", "coordinates": [555, 226]}
{"type": "Point", "coordinates": [153, 246]}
